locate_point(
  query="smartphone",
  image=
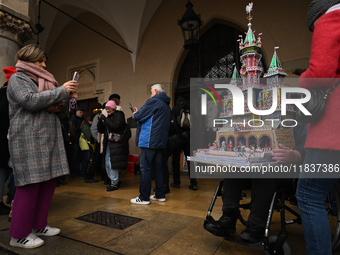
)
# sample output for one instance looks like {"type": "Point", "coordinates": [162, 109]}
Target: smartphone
{"type": "Point", "coordinates": [131, 107]}
{"type": "Point", "coordinates": [75, 76]}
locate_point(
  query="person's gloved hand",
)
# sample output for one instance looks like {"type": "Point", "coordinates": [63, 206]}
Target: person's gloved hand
{"type": "Point", "coordinates": [286, 155]}
{"type": "Point", "coordinates": [102, 117]}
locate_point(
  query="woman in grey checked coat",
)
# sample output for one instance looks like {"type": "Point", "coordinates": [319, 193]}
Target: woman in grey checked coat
{"type": "Point", "coordinates": [35, 144]}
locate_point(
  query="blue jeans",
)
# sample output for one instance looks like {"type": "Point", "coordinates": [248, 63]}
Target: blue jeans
{"type": "Point", "coordinates": [151, 166]}
{"type": "Point", "coordinates": [311, 195]}
{"type": "Point", "coordinates": [113, 174]}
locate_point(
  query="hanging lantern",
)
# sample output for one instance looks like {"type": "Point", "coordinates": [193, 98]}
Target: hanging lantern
{"type": "Point", "coordinates": [190, 25]}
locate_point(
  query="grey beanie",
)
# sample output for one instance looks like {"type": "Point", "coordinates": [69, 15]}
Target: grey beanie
{"type": "Point", "coordinates": [317, 8]}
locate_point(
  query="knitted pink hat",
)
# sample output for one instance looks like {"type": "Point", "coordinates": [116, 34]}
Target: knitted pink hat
{"type": "Point", "coordinates": [111, 104]}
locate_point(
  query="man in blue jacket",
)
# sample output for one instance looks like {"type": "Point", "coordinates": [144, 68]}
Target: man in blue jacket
{"type": "Point", "coordinates": [152, 135]}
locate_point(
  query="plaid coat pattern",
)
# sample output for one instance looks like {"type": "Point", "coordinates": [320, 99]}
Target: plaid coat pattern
{"type": "Point", "coordinates": [35, 137]}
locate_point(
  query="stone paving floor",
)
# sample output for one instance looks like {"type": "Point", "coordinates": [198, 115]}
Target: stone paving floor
{"type": "Point", "coordinates": [171, 227]}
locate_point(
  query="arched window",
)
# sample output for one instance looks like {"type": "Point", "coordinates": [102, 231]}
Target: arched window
{"type": "Point", "coordinates": [218, 51]}
{"type": "Point", "coordinates": [241, 141]}
{"type": "Point", "coordinates": [265, 142]}
{"type": "Point", "coordinates": [252, 142]}
{"type": "Point", "coordinates": [216, 56]}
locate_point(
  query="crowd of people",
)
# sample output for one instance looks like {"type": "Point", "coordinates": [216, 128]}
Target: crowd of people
{"type": "Point", "coordinates": [56, 143]}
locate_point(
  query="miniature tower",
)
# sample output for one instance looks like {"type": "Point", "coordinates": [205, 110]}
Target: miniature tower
{"type": "Point", "coordinates": [275, 72]}
{"type": "Point", "coordinates": [250, 130]}
{"type": "Point", "coordinates": [250, 54]}
{"type": "Point", "coordinates": [249, 77]}
{"type": "Point", "coordinates": [251, 70]}
{"type": "Point", "coordinates": [275, 78]}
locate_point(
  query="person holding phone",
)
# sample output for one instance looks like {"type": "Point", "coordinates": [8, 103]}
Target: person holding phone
{"type": "Point", "coordinates": [38, 154]}
{"type": "Point", "coordinates": [116, 137]}
{"type": "Point", "coordinates": [151, 137]}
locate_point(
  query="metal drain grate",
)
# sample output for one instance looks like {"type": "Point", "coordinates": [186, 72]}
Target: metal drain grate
{"type": "Point", "coordinates": [111, 220]}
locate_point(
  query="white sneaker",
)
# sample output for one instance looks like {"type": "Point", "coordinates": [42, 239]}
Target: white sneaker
{"type": "Point", "coordinates": [30, 241]}
{"type": "Point", "coordinates": [139, 201]}
{"type": "Point", "coordinates": [47, 231]}
{"type": "Point", "coordinates": [153, 197]}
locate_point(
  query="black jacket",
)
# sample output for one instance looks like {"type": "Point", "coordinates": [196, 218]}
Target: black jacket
{"type": "Point", "coordinates": [115, 123]}
{"type": "Point", "coordinates": [77, 121]}
{"type": "Point", "coordinates": [175, 127]}
{"type": "Point", "coordinates": [4, 152]}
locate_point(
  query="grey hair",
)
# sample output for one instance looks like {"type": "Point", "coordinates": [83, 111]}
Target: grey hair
{"type": "Point", "coordinates": [160, 88]}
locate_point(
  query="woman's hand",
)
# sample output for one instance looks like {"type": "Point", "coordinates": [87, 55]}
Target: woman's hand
{"type": "Point", "coordinates": [71, 87]}
{"type": "Point", "coordinates": [286, 155]}
{"type": "Point", "coordinates": [102, 117]}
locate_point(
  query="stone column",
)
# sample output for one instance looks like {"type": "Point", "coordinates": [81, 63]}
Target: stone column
{"type": "Point", "coordinates": [14, 31]}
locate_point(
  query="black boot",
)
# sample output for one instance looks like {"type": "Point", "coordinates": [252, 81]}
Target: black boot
{"type": "Point", "coordinates": [225, 226]}
{"type": "Point", "coordinates": [87, 180]}
{"type": "Point", "coordinates": [9, 198]}
{"type": "Point", "coordinates": [253, 233]}
{"type": "Point", "coordinates": [113, 186]}
{"type": "Point", "coordinates": [61, 181]}
{"type": "Point", "coordinates": [4, 209]}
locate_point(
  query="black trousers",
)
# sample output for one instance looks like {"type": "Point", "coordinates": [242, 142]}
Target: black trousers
{"type": "Point", "coordinates": [96, 163]}
{"type": "Point", "coordinates": [262, 191]}
{"type": "Point", "coordinates": [176, 163]}
{"type": "Point", "coordinates": [165, 157]}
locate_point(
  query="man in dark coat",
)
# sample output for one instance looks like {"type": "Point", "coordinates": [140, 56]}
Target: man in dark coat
{"type": "Point", "coordinates": [184, 134]}
{"type": "Point", "coordinates": [152, 135]}
{"type": "Point", "coordinates": [76, 124]}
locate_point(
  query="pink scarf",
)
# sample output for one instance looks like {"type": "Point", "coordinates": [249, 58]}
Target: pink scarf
{"type": "Point", "coordinates": [44, 79]}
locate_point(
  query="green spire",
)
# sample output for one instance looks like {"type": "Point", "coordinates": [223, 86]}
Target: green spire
{"type": "Point", "coordinates": [275, 66]}
{"type": "Point", "coordinates": [250, 36]}
{"type": "Point", "coordinates": [236, 75]}
{"type": "Point", "coordinates": [275, 63]}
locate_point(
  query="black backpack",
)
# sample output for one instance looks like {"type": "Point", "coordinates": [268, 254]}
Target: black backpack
{"type": "Point", "coordinates": [183, 119]}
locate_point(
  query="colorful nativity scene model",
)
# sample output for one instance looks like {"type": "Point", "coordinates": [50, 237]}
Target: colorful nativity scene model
{"type": "Point", "coordinates": [250, 138]}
